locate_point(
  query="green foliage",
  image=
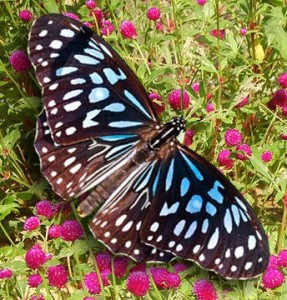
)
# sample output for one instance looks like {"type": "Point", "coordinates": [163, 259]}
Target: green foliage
{"type": "Point", "coordinates": [184, 52]}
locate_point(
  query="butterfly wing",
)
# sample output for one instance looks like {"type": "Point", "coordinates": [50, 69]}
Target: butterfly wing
{"type": "Point", "coordinates": [88, 90]}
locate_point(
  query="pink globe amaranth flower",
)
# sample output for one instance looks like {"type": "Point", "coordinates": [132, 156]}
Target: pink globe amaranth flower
{"type": "Point", "coordinates": [35, 257]}
{"type": "Point", "coordinates": [283, 136]}
{"type": "Point", "coordinates": [5, 273]}
{"type": "Point", "coordinates": [91, 4]}
{"type": "Point", "coordinates": [107, 27]}
{"type": "Point", "coordinates": [45, 208]}
{"type": "Point", "coordinates": [139, 267]}
{"type": "Point", "coordinates": [19, 61]}
{"type": "Point", "coordinates": [54, 231]}
{"type": "Point", "coordinates": [282, 79]}
{"type": "Point", "coordinates": [128, 30]}
{"type": "Point", "coordinates": [284, 110]}
{"type": "Point", "coordinates": [158, 103]}
{"type": "Point", "coordinates": [243, 31]}
{"type": "Point", "coordinates": [34, 280]}
{"type": "Point", "coordinates": [173, 280]}
{"type": "Point", "coordinates": [89, 298]}
{"type": "Point", "coordinates": [273, 262]}
{"type": "Point", "coordinates": [105, 276]}
{"type": "Point", "coordinates": [201, 2]}
{"type": "Point", "coordinates": [159, 26]}
{"type": "Point", "coordinates": [71, 230]}
{"type": "Point", "coordinates": [210, 107]}
{"type": "Point", "coordinates": [92, 283]}
{"type": "Point", "coordinates": [266, 156]}
{"type": "Point", "coordinates": [63, 208]}
{"type": "Point", "coordinates": [138, 283]}
{"type": "Point", "coordinates": [25, 15]}
{"type": "Point", "coordinates": [153, 13]}
{"type": "Point", "coordinates": [243, 102]}
{"type": "Point", "coordinates": [204, 290]}
{"type": "Point", "coordinates": [233, 137]}
{"type": "Point", "coordinates": [72, 16]}
{"type": "Point", "coordinates": [159, 276]}
{"type": "Point", "coordinates": [57, 276]}
{"type": "Point", "coordinates": [195, 87]}
{"type": "Point", "coordinates": [87, 24]}
{"type": "Point", "coordinates": [103, 261]}
{"type": "Point", "coordinates": [188, 137]}
{"type": "Point", "coordinates": [224, 159]}
{"type": "Point", "coordinates": [244, 151]}
{"type": "Point", "coordinates": [218, 33]}
{"type": "Point", "coordinates": [279, 99]}
{"type": "Point", "coordinates": [120, 266]}
{"type": "Point", "coordinates": [99, 14]}
{"type": "Point", "coordinates": [282, 258]}
{"type": "Point", "coordinates": [174, 99]}
{"type": "Point", "coordinates": [273, 278]}
{"type": "Point", "coordinates": [179, 267]}
{"type": "Point", "coordinates": [35, 297]}
{"type": "Point", "coordinates": [32, 223]}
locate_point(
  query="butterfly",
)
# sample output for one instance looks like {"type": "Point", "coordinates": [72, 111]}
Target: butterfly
{"type": "Point", "coordinates": [99, 133]}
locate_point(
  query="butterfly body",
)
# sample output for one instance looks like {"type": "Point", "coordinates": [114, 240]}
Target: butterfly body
{"type": "Point", "coordinates": [99, 133]}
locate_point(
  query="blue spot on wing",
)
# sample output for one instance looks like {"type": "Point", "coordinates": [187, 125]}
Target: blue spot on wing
{"type": "Point", "coordinates": [193, 168]}
{"type": "Point", "coordinates": [112, 138]}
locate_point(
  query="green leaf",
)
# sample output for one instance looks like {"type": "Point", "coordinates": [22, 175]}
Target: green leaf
{"type": "Point", "coordinates": [51, 6]}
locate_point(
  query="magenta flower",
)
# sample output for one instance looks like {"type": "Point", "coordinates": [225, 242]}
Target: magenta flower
{"type": "Point", "coordinates": [224, 159]}
{"type": "Point", "coordinates": [204, 290]}
{"type": "Point", "coordinates": [35, 257]}
{"type": "Point", "coordinates": [273, 278]}
{"type": "Point", "coordinates": [35, 297]}
{"type": "Point", "coordinates": [105, 276]}
{"type": "Point", "coordinates": [99, 14]}
{"type": "Point", "coordinates": [158, 103]}
{"type": "Point", "coordinates": [71, 230]}
{"type": "Point", "coordinates": [174, 99]}
{"type": "Point", "coordinates": [72, 16]}
{"type": "Point", "coordinates": [282, 258]}
{"type": "Point", "coordinates": [179, 267]}
{"type": "Point", "coordinates": [19, 61]}
{"type": "Point", "coordinates": [284, 136]}
{"type": "Point", "coordinates": [153, 13]}
{"type": "Point", "coordinates": [173, 281]}
{"type": "Point", "coordinates": [273, 262]}
{"type": "Point", "coordinates": [266, 156]}
{"type": "Point", "coordinates": [188, 137]}
{"type": "Point", "coordinates": [233, 137]}
{"type": "Point", "coordinates": [91, 4]}
{"type": "Point", "coordinates": [5, 273]}
{"type": "Point", "coordinates": [279, 99]}
{"type": "Point", "coordinates": [201, 2]}
{"type": "Point", "coordinates": [120, 265]}
{"type": "Point", "coordinates": [45, 208]}
{"type": "Point", "coordinates": [128, 30]}
{"type": "Point", "coordinates": [139, 267]}
{"type": "Point", "coordinates": [89, 298]}
{"type": "Point", "coordinates": [32, 223]}
{"type": "Point", "coordinates": [244, 151]}
{"type": "Point", "coordinates": [138, 283]}
{"type": "Point", "coordinates": [57, 276]}
{"type": "Point", "coordinates": [282, 79]}
{"type": "Point", "coordinates": [34, 280]}
{"type": "Point", "coordinates": [103, 261]}
{"type": "Point", "coordinates": [25, 15]}
{"type": "Point", "coordinates": [159, 26]}
{"type": "Point", "coordinates": [218, 33]}
{"type": "Point", "coordinates": [243, 102]}
{"type": "Point", "coordinates": [159, 276]}
{"type": "Point", "coordinates": [54, 231]}
{"type": "Point", "coordinates": [92, 283]}
{"type": "Point", "coordinates": [107, 27]}
{"type": "Point", "coordinates": [62, 207]}
{"type": "Point", "coordinates": [210, 107]}
{"type": "Point", "coordinates": [243, 31]}
{"type": "Point", "coordinates": [195, 87]}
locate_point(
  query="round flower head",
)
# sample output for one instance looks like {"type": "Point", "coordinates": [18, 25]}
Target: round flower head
{"type": "Point", "coordinates": [54, 231]}
{"type": "Point", "coordinates": [91, 4]}
{"type": "Point", "coordinates": [159, 26]}
{"type": "Point", "coordinates": [224, 159]}
{"type": "Point", "coordinates": [273, 262]}
{"type": "Point", "coordinates": [282, 258]}
{"type": "Point", "coordinates": [57, 276]}
{"type": "Point", "coordinates": [62, 207]}
{"type": "Point", "coordinates": [89, 298]}
{"type": "Point", "coordinates": [31, 223]}
{"type": "Point", "coordinates": [99, 14]}
{"type": "Point", "coordinates": [19, 61]}
{"type": "Point", "coordinates": [139, 267]}
{"type": "Point", "coordinates": [244, 151]}
{"type": "Point", "coordinates": [25, 15]}
{"type": "Point", "coordinates": [92, 283]}
{"type": "Point", "coordinates": [218, 33]}
{"type": "Point", "coordinates": [138, 283]}
{"type": "Point", "coordinates": [284, 136]}
{"type": "Point", "coordinates": [107, 27]}
{"type": "Point", "coordinates": [35, 297]}
{"type": "Point", "coordinates": [179, 267]}
{"type": "Point", "coordinates": [201, 2]}
{"type": "Point", "coordinates": [45, 208]}
{"type": "Point", "coordinates": [158, 103]}
{"type": "Point", "coordinates": [173, 280]}
{"type": "Point", "coordinates": [35, 257]}
{"type": "Point", "coordinates": [103, 261]}
{"type": "Point", "coordinates": [71, 230]}
{"type": "Point", "coordinates": [282, 79]}
{"type": "Point", "coordinates": [279, 99]}
{"type": "Point", "coordinates": [104, 276]}
{"type": "Point", "coordinates": [243, 102]}
{"type": "Point", "coordinates": [210, 107]}
{"type": "Point", "coordinates": [273, 278]}
{"type": "Point", "coordinates": [5, 273]}
{"type": "Point", "coordinates": [233, 137]}
{"type": "Point", "coordinates": [72, 16]}
{"type": "Point", "coordinates": [266, 156]}
{"type": "Point", "coordinates": [153, 13]}
{"type": "Point", "coordinates": [243, 31]}
{"type": "Point", "coordinates": [159, 276]}
{"type": "Point", "coordinates": [195, 87]}
{"type": "Point", "coordinates": [204, 290]}
{"type": "Point", "coordinates": [128, 30]}
{"type": "Point", "coordinates": [34, 280]}
{"type": "Point", "coordinates": [120, 265]}
{"type": "Point", "coordinates": [174, 99]}
{"type": "Point", "coordinates": [188, 137]}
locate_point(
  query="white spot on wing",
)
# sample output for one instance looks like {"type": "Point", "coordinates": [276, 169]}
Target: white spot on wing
{"type": "Point", "coordinates": [213, 241]}
{"type": "Point", "coordinates": [65, 71]}
{"type": "Point", "coordinates": [56, 44]}
{"type": "Point", "coordinates": [72, 94]}
{"type": "Point", "coordinates": [98, 94]}
{"type": "Point", "coordinates": [169, 210]}
{"type": "Point", "coordinates": [43, 33]}
{"type": "Point", "coordinates": [179, 227]}
{"type": "Point", "coordinates": [128, 226]}
{"type": "Point", "coordinates": [72, 106]}
{"type": "Point", "coordinates": [88, 122]}
{"type": "Point", "coordinates": [71, 130]}
{"type": "Point", "coordinates": [227, 221]}
{"type": "Point", "coordinates": [67, 33]}
{"type": "Point", "coordinates": [239, 252]}
{"type": "Point", "coordinates": [190, 231]}
{"type": "Point", "coordinates": [75, 169]}
{"type": "Point", "coordinates": [251, 242]}
{"type": "Point", "coordinates": [120, 220]}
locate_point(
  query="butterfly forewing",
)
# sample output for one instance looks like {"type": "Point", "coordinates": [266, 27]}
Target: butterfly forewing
{"type": "Point", "coordinates": [88, 89]}
{"type": "Point", "coordinates": [99, 133]}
